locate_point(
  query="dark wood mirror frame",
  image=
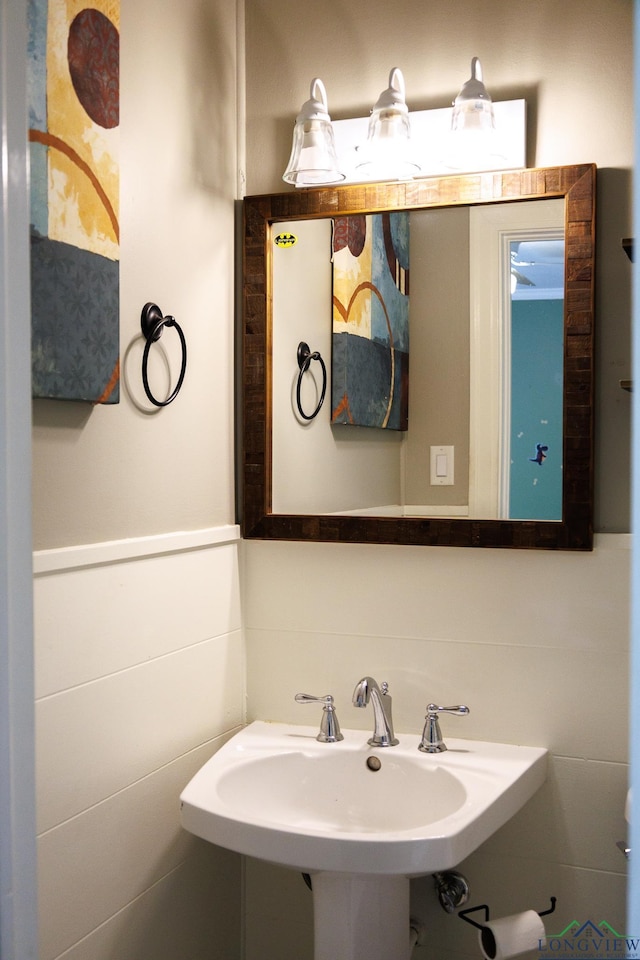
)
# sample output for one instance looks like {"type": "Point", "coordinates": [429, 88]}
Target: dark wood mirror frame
{"type": "Point", "coordinates": [576, 184]}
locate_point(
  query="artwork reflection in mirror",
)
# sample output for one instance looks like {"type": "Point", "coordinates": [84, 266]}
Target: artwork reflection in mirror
{"type": "Point", "coordinates": [486, 372]}
{"type": "Point", "coordinates": [370, 302]}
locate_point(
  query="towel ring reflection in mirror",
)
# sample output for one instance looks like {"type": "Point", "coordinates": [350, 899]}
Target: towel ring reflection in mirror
{"type": "Point", "coordinates": [305, 356]}
{"type": "Point", "coordinates": [152, 323]}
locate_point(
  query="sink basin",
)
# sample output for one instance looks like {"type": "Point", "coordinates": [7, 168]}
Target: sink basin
{"type": "Point", "coordinates": [274, 792]}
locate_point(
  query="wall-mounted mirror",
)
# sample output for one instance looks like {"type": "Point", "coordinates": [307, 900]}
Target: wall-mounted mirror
{"type": "Point", "coordinates": [496, 370]}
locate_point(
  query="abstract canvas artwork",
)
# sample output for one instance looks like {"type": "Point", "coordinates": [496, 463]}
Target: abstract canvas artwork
{"type": "Point", "coordinates": [370, 335]}
{"type": "Point", "coordinates": [73, 135]}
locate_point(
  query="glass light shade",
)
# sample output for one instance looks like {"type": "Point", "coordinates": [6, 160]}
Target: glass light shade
{"type": "Point", "coordinates": [313, 159]}
{"type": "Point", "coordinates": [388, 153]}
{"type": "Point", "coordinates": [474, 144]}
{"type": "Point", "coordinates": [472, 108]}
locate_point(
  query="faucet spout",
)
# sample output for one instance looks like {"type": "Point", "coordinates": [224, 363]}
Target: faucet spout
{"type": "Point", "coordinates": [368, 690]}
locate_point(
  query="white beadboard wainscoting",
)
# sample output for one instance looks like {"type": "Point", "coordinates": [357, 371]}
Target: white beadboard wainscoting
{"type": "Point", "coordinates": [139, 678]}
{"type": "Point", "coordinates": [535, 642]}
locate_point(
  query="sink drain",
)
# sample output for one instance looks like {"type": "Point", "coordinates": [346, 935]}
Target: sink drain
{"type": "Point", "coordinates": [374, 763]}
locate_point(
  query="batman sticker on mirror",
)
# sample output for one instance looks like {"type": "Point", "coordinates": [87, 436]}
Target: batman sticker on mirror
{"type": "Point", "coordinates": [285, 240]}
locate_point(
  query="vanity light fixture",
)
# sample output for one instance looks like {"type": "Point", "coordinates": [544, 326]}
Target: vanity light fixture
{"type": "Point", "coordinates": [313, 159]}
{"type": "Point", "coordinates": [475, 134]}
{"type": "Point", "coordinates": [388, 153]}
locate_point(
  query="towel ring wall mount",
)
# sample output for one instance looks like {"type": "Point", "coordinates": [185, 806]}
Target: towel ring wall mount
{"type": "Point", "coordinates": [152, 323]}
{"type": "Point", "coordinates": [304, 357]}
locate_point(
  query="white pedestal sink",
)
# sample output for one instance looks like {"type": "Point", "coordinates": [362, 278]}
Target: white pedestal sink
{"type": "Point", "coordinates": [360, 820]}
{"type": "Point", "coordinates": [360, 916]}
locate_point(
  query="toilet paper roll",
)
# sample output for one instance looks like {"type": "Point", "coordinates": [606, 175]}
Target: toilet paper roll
{"type": "Point", "coordinates": [511, 936]}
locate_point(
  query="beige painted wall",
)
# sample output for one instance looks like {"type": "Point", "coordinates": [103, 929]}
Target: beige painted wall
{"type": "Point", "coordinates": [317, 467]}
{"type": "Point", "coordinates": [139, 649]}
{"type": "Point", "coordinates": [531, 641]}
{"type": "Point", "coordinates": [552, 54]}
{"type": "Point", "coordinates": [550, 58]}
{"type": "Point", "coordinates": [102, 473]}
{"type": "Point", "coordinates": [440, 354]}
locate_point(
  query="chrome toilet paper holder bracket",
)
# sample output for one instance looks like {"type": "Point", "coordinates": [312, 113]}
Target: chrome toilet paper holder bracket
{"type": "Point", "coordinates": [464, 914]}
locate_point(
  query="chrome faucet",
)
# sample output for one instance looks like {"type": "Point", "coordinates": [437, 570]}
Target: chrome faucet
{"type": "Point", "coordinates": [432, 741]}
{"type": "Point", "coordinates": [367, 689]}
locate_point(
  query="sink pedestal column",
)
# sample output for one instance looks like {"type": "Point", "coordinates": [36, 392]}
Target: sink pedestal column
{"type": "Point", "coordinates": [360, 916]}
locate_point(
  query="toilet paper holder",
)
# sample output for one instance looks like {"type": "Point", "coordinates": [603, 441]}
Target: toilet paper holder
{"type": "Point", "coordinates": [463, 914]}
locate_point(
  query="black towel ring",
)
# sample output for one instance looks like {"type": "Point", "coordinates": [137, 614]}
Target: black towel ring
{"type": "Point", "coordinates": [304, 362]}
{"type": "Point", "coordinates": [152, 323]}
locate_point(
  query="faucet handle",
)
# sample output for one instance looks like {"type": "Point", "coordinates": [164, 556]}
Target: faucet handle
{"type": "Point", "coordinates": [329, 726]}
{"type": "Point", "coordinates": [460, 711]}
{"type": "Point", "coordinates": [309, 698]}
{"type": "Point", "coordinates": [432, 741]}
